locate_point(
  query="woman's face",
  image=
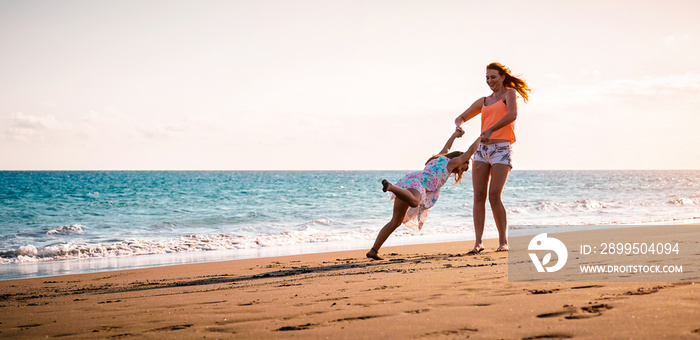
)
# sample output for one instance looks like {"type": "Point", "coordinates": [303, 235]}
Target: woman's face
{"type": "Point", "coordinates": [494, 80]}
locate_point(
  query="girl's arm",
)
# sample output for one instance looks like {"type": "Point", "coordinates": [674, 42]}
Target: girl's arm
{"type": "Point", "coordinates": [458, 133]}
{"type": "Point", "coordinates": [463, 158]}
{"type": "Point", "coordinates": [512, 107]}
{"type": "Point", "coordinates": [470, 113]}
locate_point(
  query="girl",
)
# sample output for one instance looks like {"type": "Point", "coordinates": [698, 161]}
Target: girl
{"type": "Point", "coordinates": [419, 190]}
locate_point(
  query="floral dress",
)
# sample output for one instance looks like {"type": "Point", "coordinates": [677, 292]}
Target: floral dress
{"type": "Point", "coordinates": [428, 182]}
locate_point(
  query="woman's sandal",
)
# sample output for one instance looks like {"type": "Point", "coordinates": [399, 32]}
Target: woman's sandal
{"type": "Point", "coordinates": [375, 256]}
{"type": "Point", "coordinates": [500, 249]}
{"type": "Point", "coordinates": [385, 185]}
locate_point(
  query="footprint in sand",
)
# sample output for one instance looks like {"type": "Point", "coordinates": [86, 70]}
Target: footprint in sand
{"type": "Point", "coordinates": [311, 325]}
{"type": "Point", "coordinates": [450, 333]}
{"type": "Point", "coordinates": [550, 336]}
{"type": "Point", "coordinates": [542, 291]}
{"type": "Point", "coordinates": [295, 328]}
{"type": "Point", "coordinates": [567, 311]}
{"type": "Point", "coordinates": [171, 328]}
{"type": "Point", "coordinates": [572, 313]}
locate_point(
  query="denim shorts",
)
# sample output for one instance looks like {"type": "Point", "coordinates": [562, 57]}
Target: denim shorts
{"type": "Point", "coordinates": [499, 153]}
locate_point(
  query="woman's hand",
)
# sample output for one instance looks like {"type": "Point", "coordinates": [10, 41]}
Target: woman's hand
{"type": "Point", "coordinates": [458, 132]}
{"type": "Point", "coordinates": [485, 135]}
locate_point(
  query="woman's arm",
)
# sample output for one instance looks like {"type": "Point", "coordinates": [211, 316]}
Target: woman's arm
{"type": "Point", "coordinates": [472, 148]}
{"type": "Point", "coordinates": [470, 113]}
{"type": "Point", "coordinates": [458, 133]}
{"type": "Point", "coordinates": [463, 158]}
{"type": "Point", "coordinates": [512, 107]}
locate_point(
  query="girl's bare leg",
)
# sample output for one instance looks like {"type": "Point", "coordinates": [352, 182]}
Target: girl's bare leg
{"type": "Point", "coordinates": [480, 180]}
{"type": "Point", "coordinates": [400, 208]}
{"type": "Point", "coordinates": [410, 196]}
{"type": "Point", "coordinates": [499, 176]}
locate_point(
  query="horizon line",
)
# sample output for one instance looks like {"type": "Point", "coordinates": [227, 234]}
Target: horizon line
{"type": "Point", "coordinates": [301, 170]}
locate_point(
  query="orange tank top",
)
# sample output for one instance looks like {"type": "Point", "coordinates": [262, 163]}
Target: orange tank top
{"type": "Point", "coordinates": [491, 114]}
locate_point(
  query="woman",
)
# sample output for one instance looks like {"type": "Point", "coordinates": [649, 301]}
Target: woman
{"type": "Point", "coordinates": [420, 190]}
{"type": "Point", "coordinates": [492, 161]}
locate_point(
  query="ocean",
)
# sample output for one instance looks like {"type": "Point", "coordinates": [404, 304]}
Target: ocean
{"type": "Point", "coordinates": [69, 222]}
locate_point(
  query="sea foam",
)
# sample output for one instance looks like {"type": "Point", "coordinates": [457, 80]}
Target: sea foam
{"type": "Point", "coordinates": [66, 230]}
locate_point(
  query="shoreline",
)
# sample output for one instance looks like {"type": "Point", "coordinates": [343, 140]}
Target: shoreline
{"type": "Point", "coordinates": [427, 290]}
{"type": "Point", "coordinates": [47, 269]}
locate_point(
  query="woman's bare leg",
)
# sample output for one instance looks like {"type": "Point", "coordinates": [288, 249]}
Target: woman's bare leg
{"type": "Point", "coordinates": [400, 208]}
{"type": "Point", "coordinates": [499, 176]}
{"type": "Point", "coordinates": [480, 180]}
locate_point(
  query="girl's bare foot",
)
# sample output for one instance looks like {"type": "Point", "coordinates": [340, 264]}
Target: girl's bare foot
{"type": "Point", "coordinates": [373, 254]}
{"type": "Point", "coordinates": [385, 185]}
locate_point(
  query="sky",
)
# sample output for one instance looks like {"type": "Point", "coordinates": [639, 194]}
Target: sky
{"type": "Point", "coordinates": [342, 85]}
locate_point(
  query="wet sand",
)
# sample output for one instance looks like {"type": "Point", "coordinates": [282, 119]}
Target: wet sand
{"type": "Point", "coordinates": [417, 291]}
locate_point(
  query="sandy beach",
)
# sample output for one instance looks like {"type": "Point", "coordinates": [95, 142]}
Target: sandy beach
{"type": "Point", "coordinates": [417, 291]}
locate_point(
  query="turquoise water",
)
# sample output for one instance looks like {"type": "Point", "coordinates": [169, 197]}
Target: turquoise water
{"type": "Point", "coordinates": [59, 217]}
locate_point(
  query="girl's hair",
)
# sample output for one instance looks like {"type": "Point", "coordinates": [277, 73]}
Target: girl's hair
{"type": "Point", "coordinates": [458, 173]}
{"type": "Point", "coordinates": [511, 81]}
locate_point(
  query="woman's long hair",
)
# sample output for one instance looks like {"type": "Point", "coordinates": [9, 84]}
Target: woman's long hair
{"type": "Point", "coordinates": [456, 171]}
{"type": "Point", "coordinates": [511, 81]}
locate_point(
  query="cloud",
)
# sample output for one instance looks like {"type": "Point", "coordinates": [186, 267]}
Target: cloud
{"type": "Point", "coordinates": [25, 127]}
{"type": "Point", "coordinates": [106, 115]}
{"type": "Point", "coordinates": [672, 39]}
{"type": "Point", "coordinates": [592, 94]}
{"type": "Point", "coordinates": [21, 134]}
{"type": "Point", "coordinates": [158, 130]}
{"type": "Point", "coordinates": [593, 73]}
{"type": "Point", "coordinates": [655, 85]}
{"type": "Point", "coordinates": [20, 119]}
{"type": "Point", "coordinates": [666, 85]}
